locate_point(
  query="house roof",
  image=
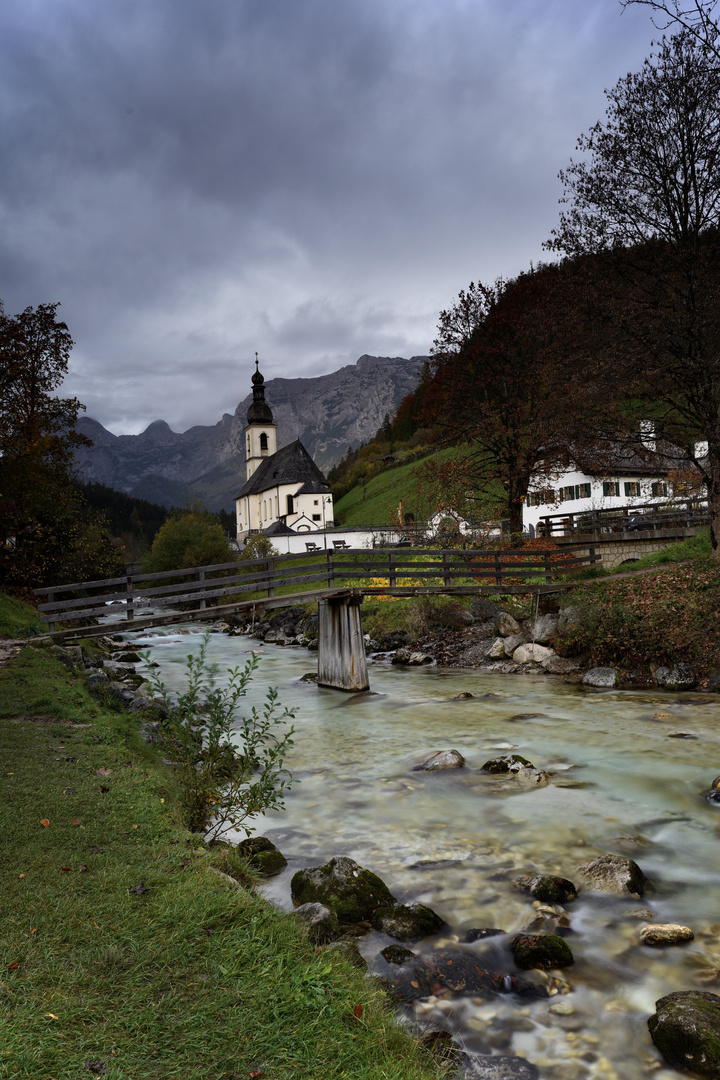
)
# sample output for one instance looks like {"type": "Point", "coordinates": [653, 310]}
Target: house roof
{"type": "Point", "coordinates": [290, 465]}
{"type": "Point", "coordinates": [629, 461]}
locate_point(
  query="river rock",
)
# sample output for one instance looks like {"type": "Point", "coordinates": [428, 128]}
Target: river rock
{"type": "Point", "coordinates": [483, 609]}
{"type": "Point", "coordinates": [677, 677]}
{"type": "Point", "coordinates": [603, 677]}
{"type": "Point", "coordinates": [507, 763]}
{"type": "Point", "coordinates": [686, 1030]}
{"type": "Point", "coordinates": [479, 934]}
{"type": "Point", "coordinates": [506, 625]}
{"type": "Point", "coordinates": [441, 759]}
{"type": "Point", "coordinates": [397, 954]}
{"type": "Point", "coordinates": [513, 642]}
{"type": "Point", "coordinates": [96, 680]}
{"type": "Point", "coordinates": [350, 952]}
{"type": "Point", "coordinates": [496, 649]}
{"type": "Point", "coordinates": [460, 972]}
{"type": "Point", "coordinates": [407, 922]}
{"type": "Point", "coordinates": [542, 951]}
{"type": "Point", "coordinates": [321, 923]}
{"type": "Point", "coordinates": [549, 889]}
{"type": "Point", "coordinates": [418, 659]}
{"type": "Point", "coordinates": [402, 655]}
{"type": "Point", "coordinates": [262, 855]}
{"type": "Point", "coordinates": [560, 665]}
{"type": "Point", "coordinates": [393, 640]}
{"type": "Point", "coordinates": [275, 637]}
{"type": "Point", "coordinates": [532, 654]}
{"type": "Point", "coordinates": [352, 892]}
{"type": "Point", "coordinates": [614, 874]}
{"type": "Point", "coordinates": [498, 1067]}
{"type": "Point", "coordinates": [118, 669]}
{"type": "Point", "coordinates": [543, 629]}
{"type": "Point", "coordinates": [660, 934]}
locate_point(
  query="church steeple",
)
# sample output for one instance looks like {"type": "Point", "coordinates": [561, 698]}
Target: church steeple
{"type": "Point", "coordinates": [260, 433]}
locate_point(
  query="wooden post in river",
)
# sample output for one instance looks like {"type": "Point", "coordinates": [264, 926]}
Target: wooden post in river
{"type": "Point", "coordinates": [341, 649]}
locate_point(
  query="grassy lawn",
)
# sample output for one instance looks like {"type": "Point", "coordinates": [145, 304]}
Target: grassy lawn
{"type": "Point", "coordinates": [17, 619]}
{"type": "Point", "coordinates": [120, 945]}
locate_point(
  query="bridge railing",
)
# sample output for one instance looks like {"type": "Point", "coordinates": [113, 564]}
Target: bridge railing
{"type": "Point", "coordinates": [687, 514]}
{"type": "Point", "coordinates": [375, 572]}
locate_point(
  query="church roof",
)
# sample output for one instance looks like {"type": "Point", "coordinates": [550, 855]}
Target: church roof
{"type": "Point", "coordinates": [259, 411]}
{"type": "Point", "coordinates": [290, 465]}
{"type": "Point", "coordinates": [279, 528]}
{"type": "Point", "coordinates": [313, 487]}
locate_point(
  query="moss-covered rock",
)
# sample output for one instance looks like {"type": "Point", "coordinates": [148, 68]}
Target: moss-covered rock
{"type": "Point", "coordinates": [352, 892]}
{"type": "Point", "coordinates": [541, 951]}
{"type": "Point", "coordinates": [686, 1030]}
{"type": "Point", "coordinates": [320, 922]}
{"type": "Point", "coordinates": [407, 922]}
{"type": "Point", "coordinates": [507, 763]}
{"type": "Point", "coordinates": [549, 889]}
{"type": "Point", "coordinates": [397, 954]}
{"type": "Point", "coordinates": [262, 855]}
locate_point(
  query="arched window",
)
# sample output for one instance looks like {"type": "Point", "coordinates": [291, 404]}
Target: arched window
{"type": "Point", "coordinates": [290, 508]}
{"type": "Point", "coordinates": [263, 442]}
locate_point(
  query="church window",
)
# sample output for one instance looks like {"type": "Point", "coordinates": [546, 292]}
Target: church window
{"type": "Point", "coordinates": [316, 517]}
{"type": "Point", "coordinates": [290, 504]}
{"type": "Point", "coordinates": [263, 442]}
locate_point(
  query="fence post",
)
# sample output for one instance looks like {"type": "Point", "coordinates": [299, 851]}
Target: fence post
{"type": "Point", "coordinates": [331, 569]}
{"type": "Point", "coordinates": [593, 556]}
{"type": "Point", "coordinates": [446, 569]}
{"type": "Point", "coordinates": [51, 618]}
{"type": "Point", "coordinates": [271, 582]}
{"type": "Point", "coordinates": [203, 602]}
{"type": "Point", "coordinates": [391, 570]}
{"type": "Point", "coordinates": [548, 569]}
{"type": "Point", "coordinates": [130, 604]}
{"type": "Point", "coordinates": [498, 569]}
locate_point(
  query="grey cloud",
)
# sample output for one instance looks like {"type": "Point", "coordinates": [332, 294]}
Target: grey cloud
{"type": "Point", "coordinates": [314, 180]}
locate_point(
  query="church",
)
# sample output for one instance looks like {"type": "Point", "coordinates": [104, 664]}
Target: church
{"type": "Point", "coordinates": [284, 491]}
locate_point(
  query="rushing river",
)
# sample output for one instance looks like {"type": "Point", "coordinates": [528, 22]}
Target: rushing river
{"type": "Point", "coordinates": [456, 840]}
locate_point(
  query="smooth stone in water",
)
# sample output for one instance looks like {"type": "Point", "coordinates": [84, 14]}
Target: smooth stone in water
{"type": "Point", "coordinates": [352, 892]}
{"type": "Point", "coordinates": [350, 952]}
{"type": "Point", "coordinates": [507, 763]}
{"type": "Point", "coordinates": [603, 677]}
{"type": "Point", "coordinates": [262, 855]}
{"type": "Point", "coordinates": [661, 934]}
{"type": "Point", "coordinates": [677, 677]}
{"type": "Point", "coordinates": [552, 890]}
{"type": "Point", "coordinates": [541, 951]}
{"type": "Point", "coordinates": [397, 954]}
{"type": "Point", "coordinates": [686, 1030]}
{"type": "Point", "coordinates": [614, 874]}
{"type": "Point", "coordinates": [407, 922]}
{"type": "Point", "coordinates": [477, 934]}
{"type": "Point", "coordinates": [492, 1067]}
{"type": "Point", "coordinates": [441, 759]}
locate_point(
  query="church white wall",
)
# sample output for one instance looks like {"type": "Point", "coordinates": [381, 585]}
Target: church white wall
{"type": "Point", "coordinates": [255, 451]}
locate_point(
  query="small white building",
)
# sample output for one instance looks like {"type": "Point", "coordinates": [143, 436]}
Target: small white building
{"type": "Point", "coordinates": [630, 479]}
{"type": "Point", "coordinates": [284, 491]}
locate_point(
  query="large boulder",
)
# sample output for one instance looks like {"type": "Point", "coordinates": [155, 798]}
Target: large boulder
{"type": "Point", "coordinates": [543, 629]}
{"type": "Point", "coordinates": [614, 874]}
{"type": "Point", "coordinates": [549, 889]}
{"type": "Point", "coordinates": [686, 1030]}
{"type": "Point", "coordinates": [677, 677]}
{"type": "Point", "coordinates": [407, 922]}
{"type": "Point", "coordinates": [402, 655]}
{"type": "Point", "coordinates": [483, 610]}
{"type": "Point", "coordinates": [560, 665]}
{"type": "Point", "coordinates": [513, 642]}
{"type": "Point", "coordinates": [532, 654]}
{"type": "Point", "coordinates": [542, 951]}
{"type": "Point", "coordinates": [441, 759]}
{"type": "Point", "coordinates": [506, 625]}
{"type": "Point", "coordinates": [352, 892]}
{"type": "Point", "coordinates": [602, 677]}
{"type": "Point", "coordinates": [321, 923]}
{"type": "Point", "coordinates": [496, 649]}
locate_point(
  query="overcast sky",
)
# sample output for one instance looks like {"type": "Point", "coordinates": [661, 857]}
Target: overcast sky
{"type": "Point", "coordinates": [195, 180]}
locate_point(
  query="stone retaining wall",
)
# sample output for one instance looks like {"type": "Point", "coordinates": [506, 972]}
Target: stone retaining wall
{"type": "Point", "coordinates": [617, 548]}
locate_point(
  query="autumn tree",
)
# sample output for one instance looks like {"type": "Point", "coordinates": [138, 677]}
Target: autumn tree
{"type": "Point", "coordinates": [644, 202]}
{"type": "Point", "coordinates": [505, 388]}
{"type": "Point", "coordinates": [47, 532]}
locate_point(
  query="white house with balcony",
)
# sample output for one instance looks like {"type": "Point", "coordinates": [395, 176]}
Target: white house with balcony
{"type": "Point", "coordinates": [284, 492]}
{"type": "Point", "coordinates": [630, 478]}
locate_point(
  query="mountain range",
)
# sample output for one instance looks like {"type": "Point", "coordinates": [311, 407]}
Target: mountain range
{"type": "Point", "coordinates": [328, 413]}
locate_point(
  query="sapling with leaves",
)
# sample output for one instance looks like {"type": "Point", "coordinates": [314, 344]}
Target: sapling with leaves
{"type": "Point", "coordinates": [224, 786]}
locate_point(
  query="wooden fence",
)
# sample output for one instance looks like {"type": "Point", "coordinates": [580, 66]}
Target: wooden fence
{"type": "Point", "coordinates": [273, 581]}
{"type": "Point", "coordinates": [648, 516]}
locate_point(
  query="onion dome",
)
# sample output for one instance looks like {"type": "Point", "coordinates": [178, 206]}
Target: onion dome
{"type": "Point", "coordinates": [259, 411]}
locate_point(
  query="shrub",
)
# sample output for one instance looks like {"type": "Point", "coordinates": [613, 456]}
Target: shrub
{"type": "Point", "coordinates": [190, 539]}
{"type": "Point", "coordinates": [221, 787]}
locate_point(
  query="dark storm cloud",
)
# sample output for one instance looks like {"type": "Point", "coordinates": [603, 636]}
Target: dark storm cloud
{"type": "Point", "coordinates": [309, 178]}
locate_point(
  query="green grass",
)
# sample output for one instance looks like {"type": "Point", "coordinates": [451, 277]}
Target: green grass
{"type": "Point", "coordinates": [193, 978]}
{"type": "Point", "coordinates": [694, 547]}
{"type": "Point", "coordinates": [17, 619]}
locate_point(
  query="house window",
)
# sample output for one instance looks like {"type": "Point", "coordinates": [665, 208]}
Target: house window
{"type": "Point", "coordinates": [290, 509]}
{"type": "Point", "coordinates": [315, 502]}
{"type": "Point", "coordinates": [316, 517]}
{"type": "Point", "coordinates": [632, 488]}
{"type": "Point", "coordinates": [611, 488]}
{"type": "Point", "coordinates": [659, 489]}
{"type": "Point", "coordinates": [263, 443]}
{"type": "Point", "coordinates": [582, 491]}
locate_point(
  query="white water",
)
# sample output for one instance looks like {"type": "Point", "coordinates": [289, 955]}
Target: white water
{"type": "Point", "coordinates": [455, 840]}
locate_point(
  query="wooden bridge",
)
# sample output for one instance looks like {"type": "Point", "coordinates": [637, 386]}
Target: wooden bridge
{"type": "Point", "coordinates": [336, 579]}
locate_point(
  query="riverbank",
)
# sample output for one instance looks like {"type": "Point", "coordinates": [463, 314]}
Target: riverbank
{"type": "Point", "coordinates": [125, 953]}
